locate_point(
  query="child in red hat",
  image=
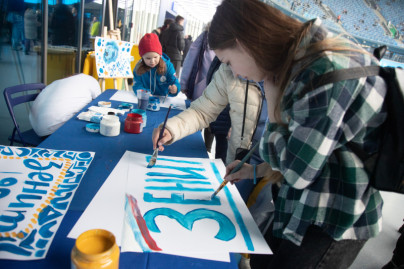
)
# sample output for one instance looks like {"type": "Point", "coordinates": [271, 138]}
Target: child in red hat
{"type": "Point", "coordinates": [154, 72]}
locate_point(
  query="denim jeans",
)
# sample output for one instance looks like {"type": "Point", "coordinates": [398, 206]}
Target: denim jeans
{"type": "Point", "coordinates": [318, 250]}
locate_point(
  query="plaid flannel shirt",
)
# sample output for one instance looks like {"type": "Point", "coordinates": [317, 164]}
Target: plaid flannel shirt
{"type": "Point", "coordinates": [325, 183]}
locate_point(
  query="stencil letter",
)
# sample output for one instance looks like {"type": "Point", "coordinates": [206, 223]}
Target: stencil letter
{"type": "Point", "coordinates": [226, 232]}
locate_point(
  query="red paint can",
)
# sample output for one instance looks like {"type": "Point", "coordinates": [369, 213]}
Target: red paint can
{"type": "Point", "coordinates": [133, 123]}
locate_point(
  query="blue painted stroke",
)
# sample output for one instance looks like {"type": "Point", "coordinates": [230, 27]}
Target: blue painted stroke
{"type": "Point", "coordinates": [14, 249]}
{"type": "Point", "coordinates": [239, 219]}
{"type": "Point", "coordinates": [11, 220]}
{"type": "Point", "coordinates": [178, 187]}
{"type": "Point", "coordinates": [47, 214]}
{"type": "Point", "coordinates": [41, 243]}
{"type": "Point", "coordinates": [148, 157]}
{"type": "Point", "coordinates": [189, 172]}
{"type": "Point", "coordinates": [165, 180]}
{"type": "Point", "coordinates": [40, 253]}
{"type": "Point", "coordinates": [111, 52]}
{"type": "Point", "coordinates": [29, 240]}
{"type": "Point", "coordinates": [226, 232]}
{"type": "Point", "coordinates": [45, 230]}
{"type": "Point", "coordinates": [177, 198]}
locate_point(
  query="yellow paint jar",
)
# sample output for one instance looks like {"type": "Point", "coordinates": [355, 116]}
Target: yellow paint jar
{"type": "Point", "coordinates": [95, 249]}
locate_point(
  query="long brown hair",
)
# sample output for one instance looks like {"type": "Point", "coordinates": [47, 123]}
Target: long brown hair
{"type": "Point", "coordinates": [264, 31]}
{"type": "Point", "coordinates": [271, 37]}
{"type": "Point", "coordinates": [143, 68]}
{"type": "Point", "coordinates": [167, 22]}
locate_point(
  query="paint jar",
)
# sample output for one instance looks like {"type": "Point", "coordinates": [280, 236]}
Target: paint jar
{"type": "Point", "coordinates": [133, 123]}
{"type": "Point", "coordinates": [154, 103]}
{"type": "Point", "coordinates": [125, 106]}
{"type": "Point", "coordinates": [104, 104]}
{"type": "Point", "coordinates": [93, 127]}
{"type": "Point", "coordinates": [110, 125]}
{"type": "Point", "coordinates": [95, 249]}
{"type": "Point", "coordinates": [142, 99]}
{"type": "Point", "coordinates": [95, 117]}
{"type": "Point", "coordinates": [143, 113]}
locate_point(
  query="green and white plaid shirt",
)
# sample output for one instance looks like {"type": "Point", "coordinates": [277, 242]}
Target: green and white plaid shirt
{"type": "Point", "coordinates": [325, 184]}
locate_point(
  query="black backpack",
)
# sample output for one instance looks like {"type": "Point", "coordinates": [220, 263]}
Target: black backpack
{"type": "Point", "coordinates": [386, 166]}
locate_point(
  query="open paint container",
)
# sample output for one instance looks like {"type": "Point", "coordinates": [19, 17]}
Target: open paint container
{"type": "Point", "coordinates": [133, 123]}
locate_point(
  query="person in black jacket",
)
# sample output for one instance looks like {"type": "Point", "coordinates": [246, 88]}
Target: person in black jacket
{"type": "Point", "coordinates": [157, 31]}
{"type": "Point", "coordinates": [61, 25]}
{"type": "Point", "coordinates": [188, 42]}
{"type": "Point", "coordinates": [165, 26]}
{"type": "Point", "coordinates": [173, 42]}
{"type": "Point", "coordinates": [221, 126]}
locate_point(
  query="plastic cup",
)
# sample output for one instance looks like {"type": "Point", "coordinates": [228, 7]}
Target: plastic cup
{"type": "Point", "coordinates": [142, 99]}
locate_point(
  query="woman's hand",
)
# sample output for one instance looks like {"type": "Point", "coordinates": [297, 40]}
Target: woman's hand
{"type": "Point", "coordinates": [165, 138]}
{"type": "Point", "coordinates": [172, 89]}
{"type": "Point", "coordinates": [228, 134]}
{"type": "Point", "coordinates": [246, 171]}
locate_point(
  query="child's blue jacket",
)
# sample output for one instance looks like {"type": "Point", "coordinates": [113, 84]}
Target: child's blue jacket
{"type": "Point", "coordinates": [162, 81]}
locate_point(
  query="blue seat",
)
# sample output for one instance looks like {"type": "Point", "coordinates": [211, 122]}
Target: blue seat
{"type": "Point", "coordinates": [17, 95]}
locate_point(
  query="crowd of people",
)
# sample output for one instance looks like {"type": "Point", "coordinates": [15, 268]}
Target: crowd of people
{"type": "Point", "coordinates": [24, 24]}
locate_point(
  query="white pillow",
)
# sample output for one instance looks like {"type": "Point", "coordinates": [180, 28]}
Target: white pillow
{"type": "Point", "coordinates": [61, 100]}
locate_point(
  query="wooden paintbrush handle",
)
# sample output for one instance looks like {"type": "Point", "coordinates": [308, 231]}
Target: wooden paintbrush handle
{"type": "Point", "coordinates": [164, 126]}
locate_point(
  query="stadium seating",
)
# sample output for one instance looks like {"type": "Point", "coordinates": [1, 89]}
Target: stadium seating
{"type": "Point", "coordinates": [357, 18]}
{"type": "Point", "coordinates": [392, 10]}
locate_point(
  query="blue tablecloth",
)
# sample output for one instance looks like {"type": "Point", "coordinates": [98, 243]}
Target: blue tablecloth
{"type": "Point", "coordinates": [108, 151]}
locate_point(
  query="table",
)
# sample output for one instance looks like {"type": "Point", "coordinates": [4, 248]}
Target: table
{"type": "Point", "coordinates": [108, 151]}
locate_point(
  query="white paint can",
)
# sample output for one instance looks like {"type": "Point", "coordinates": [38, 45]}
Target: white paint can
{"type": "Point", "coordinates": [110, 125]}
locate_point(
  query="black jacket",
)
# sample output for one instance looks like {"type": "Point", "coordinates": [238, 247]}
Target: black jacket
{"type": "Point", "coordinates": [188, 42]}
{"type": "Point", "coordinates": [223, 122]}
{"type": "Point", "coordinates": [173, 42]}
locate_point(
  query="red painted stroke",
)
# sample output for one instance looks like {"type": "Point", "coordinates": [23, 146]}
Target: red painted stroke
{"type": "Point", "coordinates": [142, 223]}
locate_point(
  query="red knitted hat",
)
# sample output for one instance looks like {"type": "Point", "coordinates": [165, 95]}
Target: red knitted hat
{"type": "Point", "coordinates": [148, 43]}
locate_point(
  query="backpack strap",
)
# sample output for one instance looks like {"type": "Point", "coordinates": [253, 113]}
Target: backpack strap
{"type": "Point", "coordinates": [386, 165]}
{"type": "Point", "coordinates": [341, 75]}
{"type": "Point", "coordinates": [196, 66]}
{"type": "Point", "coordinates": [214, 66]}
{"type": "Point", "coordinates": [245, 109]}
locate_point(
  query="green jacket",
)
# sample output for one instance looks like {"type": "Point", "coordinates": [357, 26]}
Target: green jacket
{"type": "Point", "coordinates": [325, 183]}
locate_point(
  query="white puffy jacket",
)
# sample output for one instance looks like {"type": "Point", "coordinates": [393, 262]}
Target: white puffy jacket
{"type": "Point", "coordinates": [223, 89]}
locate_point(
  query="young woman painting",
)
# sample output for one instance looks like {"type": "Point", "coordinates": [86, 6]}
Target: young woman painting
{"type": "Point", "coordinates": [325, 209]}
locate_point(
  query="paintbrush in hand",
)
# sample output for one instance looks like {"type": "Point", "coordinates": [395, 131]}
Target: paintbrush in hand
{"type": "Point", "coordinates": [156, 151]}
{"type": "Point", "coordinates": [238, 167]}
